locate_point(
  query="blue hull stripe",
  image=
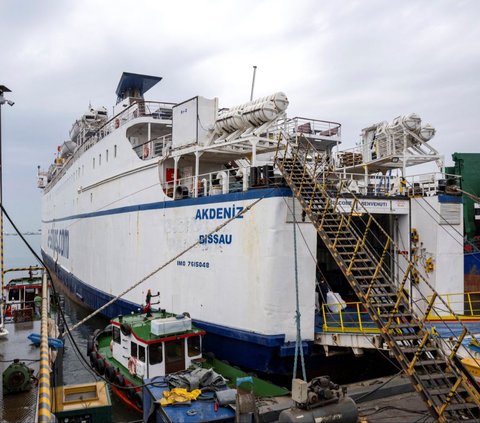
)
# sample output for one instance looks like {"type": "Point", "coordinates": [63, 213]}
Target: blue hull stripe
{"type": "Point", "coordinates": [266, 340]}
{"type": "Point", "coordinates": [221, 198]}
{"type": "Point", "coordinates": [94, 298]}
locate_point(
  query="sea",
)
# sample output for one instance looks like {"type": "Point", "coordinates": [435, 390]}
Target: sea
{"type": "Point", "coordinates": [75, 370]}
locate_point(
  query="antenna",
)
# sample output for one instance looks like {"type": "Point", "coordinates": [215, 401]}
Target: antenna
{"type": "Point", "coordinates": [253, 82]}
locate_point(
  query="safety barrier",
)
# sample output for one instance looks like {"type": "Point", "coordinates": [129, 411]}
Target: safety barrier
{"type": "Point", "coordinates": [353, 318]}
{"type": "Point", "coordinates": [44, 414]}
{"type": "Point", "coordinates": [469, 302]}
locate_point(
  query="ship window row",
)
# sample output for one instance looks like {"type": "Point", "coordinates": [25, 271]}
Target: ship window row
{"type": "Point", "coordinates": [174, 350]}
{"type": "Point", "coordinates": [115, 151]}
{"type": "Point", "coordinates": [80, 171]}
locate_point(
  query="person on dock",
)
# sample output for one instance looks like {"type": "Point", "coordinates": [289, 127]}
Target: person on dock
{"type": "Point", "coordinates": [37, 302]}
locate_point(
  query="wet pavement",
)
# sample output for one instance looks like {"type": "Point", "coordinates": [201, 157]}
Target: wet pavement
{"type": "Point", "coordinates": [19, 407]}
{"type": "Point", "coordinates": [404, 408]}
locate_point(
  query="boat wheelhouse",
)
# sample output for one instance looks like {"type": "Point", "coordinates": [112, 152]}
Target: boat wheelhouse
{"type": "Point", "coordinates": [138, 346]}
{"type": "Point", "coordinates": [23, 293]}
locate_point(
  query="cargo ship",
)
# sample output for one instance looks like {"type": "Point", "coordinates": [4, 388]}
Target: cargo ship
{"type": "Point", "coordinates": [200, 191]}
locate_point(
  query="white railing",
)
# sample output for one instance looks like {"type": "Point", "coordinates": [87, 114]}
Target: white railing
{"type": "Point", "coordinates": [156, 147]}
{"type": "Point", "coordinates": [152, 109]}
{"type": "Point", "coordinates": [425, 184]}
{"type": "Point", "coordinates": [222, 181]}
{"type": "Point", "coordinates": [314, 127]}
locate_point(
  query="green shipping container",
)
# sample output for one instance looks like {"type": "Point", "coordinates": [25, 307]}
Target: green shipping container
{"type": "Point", "coordinates": [467, 165]}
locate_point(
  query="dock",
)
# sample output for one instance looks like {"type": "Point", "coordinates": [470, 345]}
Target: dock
{"type": "Point", "coordinates": [32, 377]}
{"type": "Point", "coordinates": [20, 407]}
{"type": "Point", "coordinates": [389, 399]}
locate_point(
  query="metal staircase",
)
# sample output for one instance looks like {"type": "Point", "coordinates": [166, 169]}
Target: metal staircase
{"type": "Point", "coordinates": [448, 390]}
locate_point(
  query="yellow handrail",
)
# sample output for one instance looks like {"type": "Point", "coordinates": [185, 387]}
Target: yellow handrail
{"type": "Point", "coordinates": [346, 320]}
{"type": "Point", "coordinates": [469, 302]}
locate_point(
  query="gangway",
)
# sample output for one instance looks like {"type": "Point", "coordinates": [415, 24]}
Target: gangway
{"type": "Point", "coordinates": [449, 391]}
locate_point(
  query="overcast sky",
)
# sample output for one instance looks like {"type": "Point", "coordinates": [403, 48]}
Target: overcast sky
{"type": "Point", "coordinates": [354, 62]}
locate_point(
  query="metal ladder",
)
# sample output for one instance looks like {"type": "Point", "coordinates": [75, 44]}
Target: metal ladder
{"type": "Point", "coordinates": [448, 390]}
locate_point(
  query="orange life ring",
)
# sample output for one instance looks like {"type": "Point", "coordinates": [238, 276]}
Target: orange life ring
{"type": "Point", "coordinates": [117, 123]}
{"type": "Point", "coordinates": [146, 151]}
{"type": "Point", "coordinates": [8, 311]}
{"type": "Point", "coordinates": [132, 365]}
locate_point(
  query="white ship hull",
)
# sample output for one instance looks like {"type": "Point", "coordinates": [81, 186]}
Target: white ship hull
{"type": "Point", "coordinates": [185, 200]}
{"type": "Point", "coordinates": [106, 228]}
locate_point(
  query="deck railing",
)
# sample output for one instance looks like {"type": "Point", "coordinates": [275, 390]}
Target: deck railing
{"type": "Point", "coordinates": [353, 318]}
{"type": "Point", "coordinates": [349, 317]}
{"type": "Point", "coordinates": [139, 109]}
{"type": "Point", "coordinates": [222, 181]}
{"type": "Point", "coordinates": [468, 301]}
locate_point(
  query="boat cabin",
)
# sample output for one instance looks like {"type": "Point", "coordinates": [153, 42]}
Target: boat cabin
{"type": "Point", "coordinates": [155, 346]}
{"type": "Point", "coordinates": [20, 293]}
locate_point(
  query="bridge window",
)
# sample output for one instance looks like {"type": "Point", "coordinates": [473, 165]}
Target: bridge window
{"type": "Point", "coordinates": [13, 295]}
{"type": "Point", "coordinates": [155, 353]}
{"type": "Point", "coordinates": [141, 353]}
{"type": "Point", "coordinates": [194, 346]}
{"type": "Point", "coordinates": [133, 349]}
{"type": "Point", "coordinates": [116, 334]}
{"type": "Point", "coordinates": [114, 151]}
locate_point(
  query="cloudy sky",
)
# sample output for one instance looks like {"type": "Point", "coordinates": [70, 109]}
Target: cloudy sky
{"type": "Point", "coordinates": [354, 62]}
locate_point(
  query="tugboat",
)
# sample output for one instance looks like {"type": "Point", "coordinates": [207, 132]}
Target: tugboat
{"type": "Point", "coordinates": [147, 348]}
{"type": "Point", "coordinates": [23, 294]}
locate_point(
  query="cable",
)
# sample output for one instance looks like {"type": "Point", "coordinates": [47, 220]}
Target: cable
{"type": "Point", "coordinates": [68, 329]}
{"type": "Point", "coordinates": [447, 223]}
{"type": "Point", "coordinates": [62, 315]}
{"type": "Point", "coordinates": [153, 272]}
{"type": "Point", "coordinates": [378, 387]}
{"type": "Point", "coordinates": [298, 341]}
{"type": "Point", "coordinates": [391, 407]}
{"type": "Point", "coordinates": [394, 363]}
{"type": "Point", "coordinates": [364, 241]}
{"type": "Point", "coordinates": [385, 356]}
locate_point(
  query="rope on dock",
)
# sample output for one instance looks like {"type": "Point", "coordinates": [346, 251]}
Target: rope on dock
{"type": "Point", "coordinates": [44, 414]}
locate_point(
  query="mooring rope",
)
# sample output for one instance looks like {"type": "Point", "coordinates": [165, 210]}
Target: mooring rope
{"type": "Point", "coordinates": [81, 322]}
{"type": "Point", "coordinates": [298, 341]}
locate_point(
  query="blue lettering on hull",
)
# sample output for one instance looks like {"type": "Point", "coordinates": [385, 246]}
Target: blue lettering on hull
{"type": "Point", "coordinates": [224, 239]}
{"type": "Point", "coordinates": [59, 241]}
{"type": "Point", "coordinates": [219, 213]}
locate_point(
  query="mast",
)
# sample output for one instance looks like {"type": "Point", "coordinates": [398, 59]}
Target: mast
{"type": "Point", "coordinates": [253, 82]}
{"type": "Point", "coordinates": [3, 331]}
